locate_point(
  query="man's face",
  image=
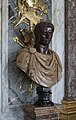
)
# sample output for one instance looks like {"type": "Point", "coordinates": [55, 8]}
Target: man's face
{"type": "Point", "coordinates": [45, 35]}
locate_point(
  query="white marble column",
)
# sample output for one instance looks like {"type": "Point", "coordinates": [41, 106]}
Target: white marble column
{"type": "Point", "coordinates": [3, 54]}
{"type": "Point", "coordinates": [58, 45]}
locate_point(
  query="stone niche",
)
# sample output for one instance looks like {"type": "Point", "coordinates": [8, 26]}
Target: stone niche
{"type": "Point", "coordinates": [10, 75]}
{"type": "Point", "coordinates": [15, 75]}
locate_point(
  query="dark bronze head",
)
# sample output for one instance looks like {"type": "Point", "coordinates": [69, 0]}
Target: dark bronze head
{"type": "Point", "coordinates": [43, 33]}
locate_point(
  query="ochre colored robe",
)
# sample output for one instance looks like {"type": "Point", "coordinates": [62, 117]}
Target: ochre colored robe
{"type": "Point", "coordinates": [45, 70]}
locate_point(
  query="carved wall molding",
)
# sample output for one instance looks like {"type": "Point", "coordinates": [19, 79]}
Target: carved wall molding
{"type": "Point", "coordinates": [3, 54]}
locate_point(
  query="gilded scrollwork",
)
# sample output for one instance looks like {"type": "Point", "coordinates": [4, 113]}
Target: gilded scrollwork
{"type": "Point", "coordinates": [30, 12]}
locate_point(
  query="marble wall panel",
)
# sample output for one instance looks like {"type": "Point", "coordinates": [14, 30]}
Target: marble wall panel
{"type": "Point", "coordinates": [70, 81]}
{"type": "Point", "coordinates": [6, 113]}
{"type": "Point", "coordinates": [58, 44]}
{"type": "Point", "coordinates": [72, 48]}
{"type": "Point", "coordinates": [14, 113]}
{"type": "Point", "coordinates": [15, 75]}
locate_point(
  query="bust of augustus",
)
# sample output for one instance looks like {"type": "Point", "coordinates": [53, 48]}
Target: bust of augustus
{"type": "Point", "coordinates": [40, 63]}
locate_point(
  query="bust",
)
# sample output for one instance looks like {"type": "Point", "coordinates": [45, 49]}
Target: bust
{"type": "Point", "coordinates": [40, 63]}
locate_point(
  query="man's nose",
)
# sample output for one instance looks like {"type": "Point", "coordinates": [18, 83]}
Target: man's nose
{"type": "Point", "coordinates": [44, 36]}
{"type": "Point", "coordinates": [47, 36]}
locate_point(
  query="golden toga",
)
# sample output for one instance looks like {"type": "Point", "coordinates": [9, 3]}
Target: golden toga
{"type": "Point", "coordinates": [45, 70]}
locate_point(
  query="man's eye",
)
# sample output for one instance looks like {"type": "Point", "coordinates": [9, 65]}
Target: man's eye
{"type": "Point", "coordinates": [49, 32]}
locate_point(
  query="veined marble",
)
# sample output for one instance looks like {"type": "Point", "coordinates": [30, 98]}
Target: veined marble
{"type": "Point", "coordinates": [4, 54]}
{"type": "Point", "coordinates": [58, 45]}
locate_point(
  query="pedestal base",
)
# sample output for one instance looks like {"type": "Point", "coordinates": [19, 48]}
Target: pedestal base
{"type": "Point", "coordinates": [69, 111]}
{"type": "Point", "coordinates": [42, 113]}
{"type": "Point", "coordinates": [44, 97]}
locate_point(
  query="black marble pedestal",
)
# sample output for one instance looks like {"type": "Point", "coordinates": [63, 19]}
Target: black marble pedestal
{"type": "Point", "coordinates": [44, 97]}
